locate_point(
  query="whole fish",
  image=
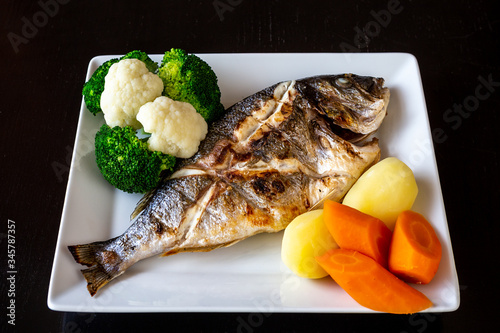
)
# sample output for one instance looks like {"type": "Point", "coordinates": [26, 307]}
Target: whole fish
{"type": "Point", "coordinates": [273, 156]}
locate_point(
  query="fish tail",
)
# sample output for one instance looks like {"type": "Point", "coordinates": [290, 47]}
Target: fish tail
{"type": "Point", "coordinates": [104, 265]}
{"type": "Point", "coordinates": [85, 254]}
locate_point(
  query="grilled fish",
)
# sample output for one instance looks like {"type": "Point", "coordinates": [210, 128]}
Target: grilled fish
{"type": "Point", "coordinates": [273, 156]}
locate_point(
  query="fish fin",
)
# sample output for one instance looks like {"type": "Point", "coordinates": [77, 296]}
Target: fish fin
{"type": "Point", "coordinates": [148, 196]}
{"type": "Point", "coordinates": [103, 265]}
{"type": "Point", "coordinates": [84, 254]}
{"type": "Point", "coordinates": [142, 204]}
{"type": "Point", "coordinates": [97, 277]}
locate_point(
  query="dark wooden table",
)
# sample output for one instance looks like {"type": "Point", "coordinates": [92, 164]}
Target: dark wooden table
{"type": "Point", "coordinates": [45, 49]}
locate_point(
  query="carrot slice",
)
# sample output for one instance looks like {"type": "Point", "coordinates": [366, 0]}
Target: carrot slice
{"type": "Point", "coordinates": [354, 230]}
{"type": "Point", "coordinates": [370, 284]}
{"type": "Point", "coordinates": [415, 251]}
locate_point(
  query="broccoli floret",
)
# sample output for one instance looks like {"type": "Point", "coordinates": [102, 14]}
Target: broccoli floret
{"type": "Point", "coordinates": [187, 78]}
{"type": "Point", "coordinates": [126, 162]}
{"type": "Point", "coordinates": [93, 88]}
{"type": "Point", "coordinates": [142, 56]}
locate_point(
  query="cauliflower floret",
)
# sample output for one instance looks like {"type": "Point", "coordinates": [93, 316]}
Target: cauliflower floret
{"type": "Point", "coordinates": [176, 128]}
{"type": "Point", "coordinates": [128, 86]}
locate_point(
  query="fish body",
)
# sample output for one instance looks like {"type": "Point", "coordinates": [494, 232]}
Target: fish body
{"type": "Point", "coordinates": [273, 156]}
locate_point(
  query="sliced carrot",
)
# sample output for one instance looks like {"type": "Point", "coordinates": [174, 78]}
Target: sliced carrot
{"type": "Point", "coordinates": [415, 251]}
{"type": "Point", "coordinates": [354, 230]}
{"type": "Point", "coordinates": [370, 284]}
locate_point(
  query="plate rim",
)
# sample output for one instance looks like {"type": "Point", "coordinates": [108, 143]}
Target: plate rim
{"type": "Point", "coordinates": [95, 61]}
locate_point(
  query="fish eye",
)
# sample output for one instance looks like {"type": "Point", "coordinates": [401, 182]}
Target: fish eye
{"type": "Point", "coordinates": [343, 82]}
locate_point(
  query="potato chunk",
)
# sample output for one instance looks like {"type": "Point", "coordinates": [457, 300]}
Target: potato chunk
{"type": "Point", "coordinates": [384, 191]}
{"type": "Point", "coordinates": [305, 238]}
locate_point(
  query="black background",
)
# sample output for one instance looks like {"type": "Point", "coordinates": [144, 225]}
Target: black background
{"type": "Point", "coordinates": [42, 72]}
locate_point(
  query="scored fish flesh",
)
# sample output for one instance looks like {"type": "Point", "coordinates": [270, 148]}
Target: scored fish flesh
{"type": "Point", "coordinates": [272, 156]}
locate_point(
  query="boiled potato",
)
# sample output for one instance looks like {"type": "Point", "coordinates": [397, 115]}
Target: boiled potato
{"type": "Point", "coordinates": [384, 191]}
{"type": "Point", "coordinates": [305, 238]}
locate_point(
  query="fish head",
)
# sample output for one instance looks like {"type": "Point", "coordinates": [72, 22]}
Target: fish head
{"type": "Point", "coordinates": [353, 102]}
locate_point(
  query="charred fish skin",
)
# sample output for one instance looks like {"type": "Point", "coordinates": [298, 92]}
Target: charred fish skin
{"type": "Point", "coordinates": [273, 156]}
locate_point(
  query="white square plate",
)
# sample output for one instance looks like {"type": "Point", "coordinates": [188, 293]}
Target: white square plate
{"type": "Point", "coordinates": [248, 276]}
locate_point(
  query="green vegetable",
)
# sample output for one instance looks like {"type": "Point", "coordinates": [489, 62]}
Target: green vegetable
{"type": "Point", "coordinates": [126, 162]}
{"type": "Point", "coordinates": [142, 56]}
{"type": "Point", "coordinates": [93, 88]}
{"type": "Point", "coordinates": [187, 78]}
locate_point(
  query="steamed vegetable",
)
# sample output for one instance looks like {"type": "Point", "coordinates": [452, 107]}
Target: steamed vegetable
{"type": "Point", "coordinates": [126, 162]}
{"type": "Point", "coordinates": [128, 86]}
{"type": "Point", "coordinates": [384, 191]}
{"type": "Point", "coordinates": [175, 127]}
{"type": "Point", "coordinates": [187, 78]}
{"type": "Point", "coordinates": [358, 231]}
{"type": "Point", "coordinates": [415, 251]}
{"type": "Point", "coordinates": [93, 88]}
{"type": "Point", "coordinates": [370, 284]}
{"type": "Point", "coordinates": [305, 238]}
{"type": "Point", "coordinates": [151, 65]}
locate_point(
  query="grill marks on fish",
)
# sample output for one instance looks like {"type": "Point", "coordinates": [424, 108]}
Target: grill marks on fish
{"type": "Point", "coordinates": [274, 155]}
{"type": "Point", "coordinates": [193, 214]}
